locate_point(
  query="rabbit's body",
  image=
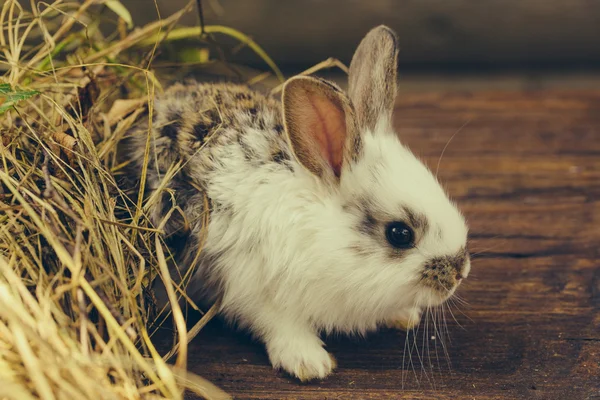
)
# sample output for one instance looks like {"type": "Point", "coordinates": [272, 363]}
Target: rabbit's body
{"type": "Point", "coordinates": [320, 219]}
{"type": "Point", "coordinates": [216, 132]}
{"type": "Point", "coordinates": [237, 154]}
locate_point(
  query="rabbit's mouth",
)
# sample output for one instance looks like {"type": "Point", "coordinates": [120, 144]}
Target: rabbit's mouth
{"type": "Point", "coordinates": [442, 287]}
{"type": "Point", "coordinates": [435, 294]}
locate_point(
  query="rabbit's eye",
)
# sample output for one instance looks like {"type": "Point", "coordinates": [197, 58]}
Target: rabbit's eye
{"type": "Point", "coordinates": [399, 235]}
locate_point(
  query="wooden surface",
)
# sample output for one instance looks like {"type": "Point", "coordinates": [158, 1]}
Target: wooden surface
{"type": "Point", "coordinates": [526, 171]}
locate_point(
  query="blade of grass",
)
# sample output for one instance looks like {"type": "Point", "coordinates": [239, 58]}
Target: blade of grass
{"type": "Point", "coordinates": [189, 32]}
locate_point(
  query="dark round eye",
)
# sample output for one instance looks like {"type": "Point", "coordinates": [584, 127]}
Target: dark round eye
{"type": "Point", "coordinates": [399, 235]}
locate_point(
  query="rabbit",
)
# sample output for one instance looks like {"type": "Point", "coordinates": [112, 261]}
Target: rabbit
{"type": "Point", "coordinates": [319, 219]}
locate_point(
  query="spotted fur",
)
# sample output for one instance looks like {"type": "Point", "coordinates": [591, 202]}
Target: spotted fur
{"type": "Point", "coordinates": [296, 240]}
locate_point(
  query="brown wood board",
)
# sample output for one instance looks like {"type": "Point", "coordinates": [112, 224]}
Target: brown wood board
{"type": "Point", "coordinates": [525, 168]}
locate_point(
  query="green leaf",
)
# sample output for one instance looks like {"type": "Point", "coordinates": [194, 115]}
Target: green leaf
{"type": "Point", "coordinates": [10, 97]}
{"type": "Point", "coordinates": [5, 88]}
{"type": "Point", "coordinates": [118, 8]}
{"type": "Point", "coordinates": [194, 55]}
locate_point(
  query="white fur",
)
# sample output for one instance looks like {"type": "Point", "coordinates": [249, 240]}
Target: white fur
{"type": "Point", "coordinates": [285, 248]}
{"type": "Point", "coordinates": [285, 262]}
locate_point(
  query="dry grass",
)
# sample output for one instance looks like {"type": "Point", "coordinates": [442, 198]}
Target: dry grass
{"type": "Point", "coordinates": [77, 256]}
{"type": "Point", "coordinates": [74, 304]}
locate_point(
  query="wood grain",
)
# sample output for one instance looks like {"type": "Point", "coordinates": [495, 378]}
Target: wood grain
{"type": "Point", "coordinates": [526, 171]}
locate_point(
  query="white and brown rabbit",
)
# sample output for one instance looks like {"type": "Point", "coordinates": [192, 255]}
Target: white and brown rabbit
{"type": "Point", "coordinates": [320, 219]}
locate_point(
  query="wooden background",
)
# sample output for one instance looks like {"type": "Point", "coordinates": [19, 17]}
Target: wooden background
{"type": "Point", "coordinates": [526, 170]}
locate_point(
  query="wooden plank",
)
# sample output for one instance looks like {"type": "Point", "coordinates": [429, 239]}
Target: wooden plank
{"type": "Point", "coordinates": [526, 172]}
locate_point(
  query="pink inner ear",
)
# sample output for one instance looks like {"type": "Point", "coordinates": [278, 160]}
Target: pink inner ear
{"type": "Point", "coordinates": [329, 130]}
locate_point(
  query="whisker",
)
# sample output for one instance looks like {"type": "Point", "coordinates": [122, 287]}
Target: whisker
{"type": "Point", "coordinates": [473, 238]}
{"type": "Point", "coordinates": [438, 339]}
{"type": "Point", "coordinates": [459, 300]}
{"type": "Point", "coordinates": [411, 359]}
{"type": "Point", "coordinates": [416, 347]}
{"type": "Point", "coordinates": [406, 345]}
{"type": "Point", "coordinates": [452, 314]}
{"type": "Point", "coordinates": [437, 354]}
{"type": "Point", "coordinates": [447, 143]}
{"type": "Point", "coordinates": [423, 349]}
{"type": "Point", "coordinates": [446, 354]}
{"type": "Point", "coordinates": [426, 339]}
{"type": "Point", "coordinates": [444, 327]}
{"type": "Point", "coordinates": [404, 358]}
{"type": "Point", "coordinates": [461, 311]}
{"type": "Point", "coordinates": [485, 250]}
{"type": "Point", "coordinates": [449, 340]}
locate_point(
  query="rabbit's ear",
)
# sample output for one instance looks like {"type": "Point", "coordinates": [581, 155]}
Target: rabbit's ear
{"type": "Point", "coordinates": [372, 77]}
{"type": "Point", "coordinates": [320, 124]}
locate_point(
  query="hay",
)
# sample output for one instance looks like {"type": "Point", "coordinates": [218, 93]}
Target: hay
{"type": "Point", "coordinates": [77, 253]}
{"type": "Point", "coordinates": [75, 310]}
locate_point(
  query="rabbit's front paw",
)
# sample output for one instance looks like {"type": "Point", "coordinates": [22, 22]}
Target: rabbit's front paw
{"type": "Point", "coordinates": [304, 358]}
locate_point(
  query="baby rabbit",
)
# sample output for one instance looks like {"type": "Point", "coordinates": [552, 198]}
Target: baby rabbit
{"type": "Point", "coordinates": [320, 220]}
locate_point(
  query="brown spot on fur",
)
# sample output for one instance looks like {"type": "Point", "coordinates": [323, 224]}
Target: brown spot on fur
{"type": "Point", "coordinates": [171, 130]}
{"type": "Point", "coordinates": [262, 124]}
{"type": "Point", "coordinates": [417, 220]}
{"type": "Point", "coordinates": [242, 96]}
{"type": "Point", "coordinates": [280, 157]}
{"type": "Point", "coordinates": [247, 150]}
{"type": "Point", "coordinates": [213, 116]}
{"type": "Point", "coordinates": [221, 208]}
{"type": "Point", "coordinates": [201, 130]}
{"type": "Point", "coordinates": [356, 148]}
{"type": "Point", "coordinates": [369, 224]}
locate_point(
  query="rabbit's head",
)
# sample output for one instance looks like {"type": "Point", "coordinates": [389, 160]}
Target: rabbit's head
{"type": "Point", "coordinates": [404, 240]}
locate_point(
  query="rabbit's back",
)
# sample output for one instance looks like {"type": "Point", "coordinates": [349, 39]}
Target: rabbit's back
{"type": "Point", "coordinates": [206, 139]}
